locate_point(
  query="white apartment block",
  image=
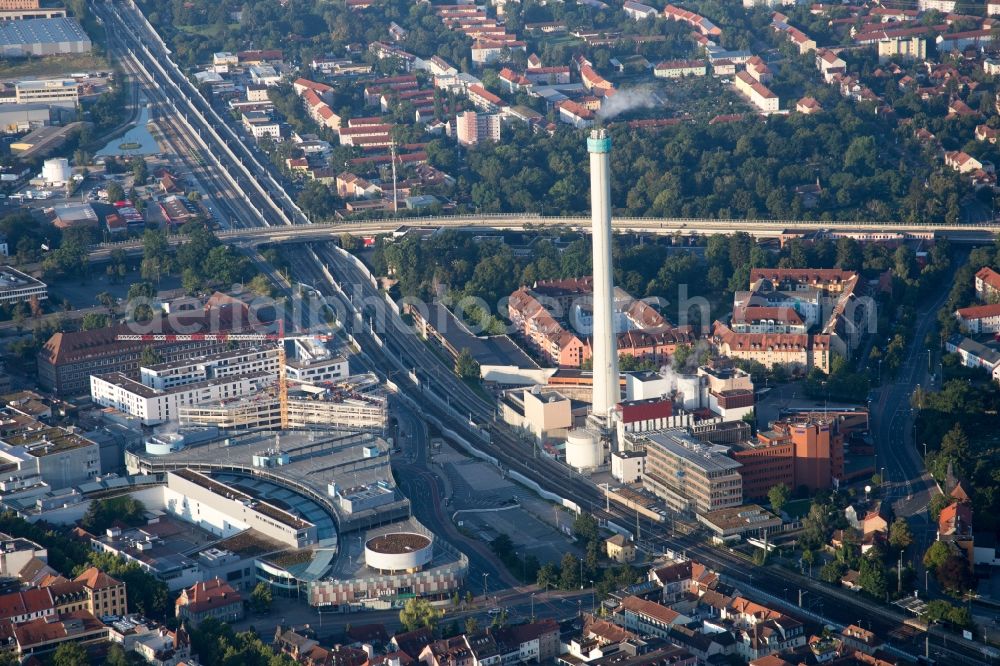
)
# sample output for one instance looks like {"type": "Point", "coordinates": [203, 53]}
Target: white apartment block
{"type": "Point", "coordinates": [755, 91]}
{"type": "Point", "coordinates": [153, 406]}
{"type": "Point", "coordinates": [310, 361]}
{"type": "Point", "coordinates": [675, 69]}
{"type": "Point", "coordinates": [165, 376]}
{"type": "Point", "coordinates": [261, 126]}
{"type": "Point", "coordinates": [946, 6]}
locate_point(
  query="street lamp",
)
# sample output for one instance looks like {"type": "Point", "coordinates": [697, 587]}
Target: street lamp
{"type": "Point", "coordinates": [593, 603]}
{"type": "Point", "coordinates": [532, 606]}
{"type": "Point", "coordinates": [485, 588]}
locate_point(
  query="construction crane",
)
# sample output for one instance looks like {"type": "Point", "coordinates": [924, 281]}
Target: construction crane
{"type": "Point", "coordinates": [237, 337]}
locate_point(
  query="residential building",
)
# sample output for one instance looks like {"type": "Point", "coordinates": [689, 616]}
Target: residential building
{"type": "Point", "coordinates": [689, 475]}
{"type": "Point", "coordinates": [801, 40]}
{"type": "Point", "coordinates": [758, 94]}
{"type": "Point", "coordinates": [620, 548]}
{"type": "Point", "coordinates": [979, 318]}
{"type": "Point", "coordinates": [92, 591]}
{"type": "Point", "coordinates": [209, 599]}
{"type": "Point", "coordinates": [154, 406]}
{"type": "Point", "coordinates": [483, 99]}
{"type": "Point", "coordinates": [472, 127]}
{"type": "Point", "coordinates": [987, 133]}
{"type": "Point", "coordinates": [960, 41]}
{"type": "Point", "coordinates": [800, 352]}
{"type": "Point", "coordinates": [647, 618]}
{"type": "Point", "coordinates": [758, 69]}
{"type": "Point", "coordinates": [830, 64]}
{"type": "Point", "coordinates": [987, 285]}
{"type": "Point", "coordinates": [638, 11]}
{"type": "Point", "coordinates": [261, 125]}
{"type": "Point", "coordinates": [902, 49]}
{"type": "Point", "coordinates": [699, 23]}
{"type": "Point", "coordinates": [17, 287]}
{"type": "Point", "coordinates": [356, 403]}
{"type": "Point", "coordinates": [675, 69]}
{"type": "Point", "coordinates": [57, 92]}
{"type": "Point", "coordinates": [975, 355]}
{"type": "Point", "coordinates": [575, 114]}
{"type": "Point", "coordinates": [762, 319]}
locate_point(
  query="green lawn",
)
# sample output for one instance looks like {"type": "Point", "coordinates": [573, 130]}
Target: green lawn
{"type": "Point", "coordinates": [50, 66]}
{"type": "Point", "coordinates": [797, 508]}
{"type": "Point", "coordinates": [211, 31]}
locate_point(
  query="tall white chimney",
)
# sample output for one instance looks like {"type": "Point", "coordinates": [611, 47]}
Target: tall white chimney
{"type": "Point", "coordinates": [607, 392]}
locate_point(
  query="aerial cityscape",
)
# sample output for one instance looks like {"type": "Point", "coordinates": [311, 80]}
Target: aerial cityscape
{"type": "Point", "coordinates": [458, 333]}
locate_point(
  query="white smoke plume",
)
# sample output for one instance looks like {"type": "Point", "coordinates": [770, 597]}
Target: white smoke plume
{"type": "Point", "coordinates": [627, 100]}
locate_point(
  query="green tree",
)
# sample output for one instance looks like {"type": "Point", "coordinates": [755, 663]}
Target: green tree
{"type": "Point", "coordinates": [548, 574]}
{"type": "Point", "coordinates": [261, 285]}
{"type": "Point", "coordinates": [833, 571]}
{"type": "Point", "coordinates": [954, 574]}
{"type": "Point", "coordinates": [936, 554]}
{"type": "Point", "coordinates": [93, 320]}
{"type": "Point", "coordinates": [900, 536]}
{"type": "Point", "coordinates": [349, 242]}
{"type": "Point", "coordinates": [778, 496]}
{"type": "Point", "coordinates": [115, 192]}
{"type": "Point", "coordinates": [418, 613]}
{"type": "Point", "coordinates": [108, 301]}
{"type": "Point", "coordinates": [503, 546]}
{"type": "Point", "coordinates": [260, 597]}
{"type": "Point", "coordinates": [471, 625]}
{"type": "Point", "coordinates": [102, 513]}
{"type": "Point", "coordinates": [70, 654]}
{"type": "Point", "coordinates": [872, 576]}
{"type": "Point", "coordinates": [140, 172]}
{"type": "Point", "coordinates": [116, 656]}
{"type": "Point", "coordinates": [585, 527]}
{"type": "Point", "coordinates": [150, 357]}
{"type": "Point", "coordinates": [466, 366]}
{"type": "Point", "coordinates": [190, 281]}
{"type": "Point", "coordinates": [569, 567]}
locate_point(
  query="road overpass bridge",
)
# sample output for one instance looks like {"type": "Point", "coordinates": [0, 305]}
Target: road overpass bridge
{"type": "Point", "coordinates": [762, 229]}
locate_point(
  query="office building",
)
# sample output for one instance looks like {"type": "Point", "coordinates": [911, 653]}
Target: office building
{"type": "Point", "coordinates": [37, 456]}
{"type": "Point", "coordinates": [68, 359]}
{"type": "Point", "coordinates": [689, 475]}
{"type": "Point", "coordinates": [805, 450]}
{"type": "Point", "coordinates": [16, 287]}
{"type": "Point", "coordinates": [57, 92]}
